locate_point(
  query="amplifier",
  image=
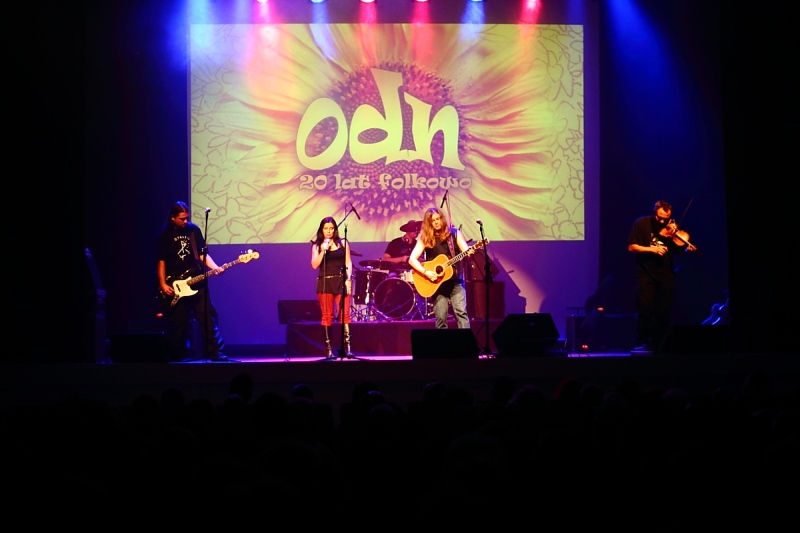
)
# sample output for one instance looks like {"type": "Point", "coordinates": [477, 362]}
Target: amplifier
{"type": "Point", "coordinates": [601, 332]}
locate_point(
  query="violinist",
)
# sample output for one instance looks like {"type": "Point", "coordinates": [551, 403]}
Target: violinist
{"type": "Point", "coordinates": [655, 239]}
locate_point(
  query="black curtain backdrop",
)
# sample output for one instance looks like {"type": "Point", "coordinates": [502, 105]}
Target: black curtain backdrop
{"type": "Point", "coordinates": [86, 93]}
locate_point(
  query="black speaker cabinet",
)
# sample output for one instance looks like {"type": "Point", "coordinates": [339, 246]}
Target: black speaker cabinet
{"type": "Point", "coordinates": [452, 343]}
{"type": "Point", "coordinates": [476, 299]}
{"type": "Point", "coordinates": [697, 340]}
{"type": "Point", "coordinates": [298, 311]}
{"type": "Point", "coordinates": [525, 335]}
{"type": "Point", "coordinates": [601, 332]}
{"type": "Point", "coordinates": [143, 348]}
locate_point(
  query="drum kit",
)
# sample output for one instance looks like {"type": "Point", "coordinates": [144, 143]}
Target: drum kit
{"type": "Point", "coordinates": [385, 291]}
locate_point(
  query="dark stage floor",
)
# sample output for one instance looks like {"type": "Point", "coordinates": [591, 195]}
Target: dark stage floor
{"type": "Point", "coordinates": [401, 377]}
{"type": "Point", "coordinates": [401, 357]}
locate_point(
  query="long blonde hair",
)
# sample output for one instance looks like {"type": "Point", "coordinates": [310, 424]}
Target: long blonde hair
{"type": "Point", "coordinates": [427, 235]}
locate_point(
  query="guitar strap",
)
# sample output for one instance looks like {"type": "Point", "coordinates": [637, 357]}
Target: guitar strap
{"type": "Point", "coordinates": [450, 242]}
{"type": "Point", "coordinates": [451, 245]}
{"type": "Point", "coordinates": [200, 265]}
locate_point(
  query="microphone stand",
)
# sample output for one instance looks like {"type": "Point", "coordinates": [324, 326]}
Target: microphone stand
{"type": "Point", "coordinates": [342, 222]}
{"type": "Point", "coordinates": [344, 291]}
{"type": "Point", "coordinates": [446, 199]}
{"type": "Point", "coordinates": [487, 280]}
{"type": "Point", "coordinates": [342, 350]}
{"type": "Point", "coordinates": [207, 299]}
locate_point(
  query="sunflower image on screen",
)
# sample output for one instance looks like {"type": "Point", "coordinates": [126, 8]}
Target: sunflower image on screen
{"type": "Point", "coordinates": [288, 121]}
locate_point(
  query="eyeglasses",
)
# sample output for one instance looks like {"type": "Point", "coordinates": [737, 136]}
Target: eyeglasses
{"type": "Point", "coordinates": [183, 218]}
{"type": "Point", "coordinates": [662, 219]}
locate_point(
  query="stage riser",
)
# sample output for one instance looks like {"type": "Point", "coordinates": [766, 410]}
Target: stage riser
{"type": "Point", "coordinates": [372, 338]}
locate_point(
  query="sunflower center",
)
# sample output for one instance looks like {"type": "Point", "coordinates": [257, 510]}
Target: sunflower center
{"type": "Point", "coordinates": [359, 88]}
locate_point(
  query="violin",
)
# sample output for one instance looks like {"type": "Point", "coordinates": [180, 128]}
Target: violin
{"type": "Point", "coordinates": [678, 236]}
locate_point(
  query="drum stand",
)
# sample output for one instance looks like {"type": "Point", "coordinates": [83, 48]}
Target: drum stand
{"type": "Point", "coordinates": [369, 313]}
{"type": "Point", "coordinates": [420, 308]}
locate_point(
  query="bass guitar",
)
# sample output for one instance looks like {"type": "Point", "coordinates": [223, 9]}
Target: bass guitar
{"type": "Point", "coordinates": [443, 268]}
{"type": "Point", "coordinates": [182, 285]}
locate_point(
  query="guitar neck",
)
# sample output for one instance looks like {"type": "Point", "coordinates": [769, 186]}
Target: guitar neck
{"type": "Point", "coordinates": [461, 256]}
{"type": "Point", "coordinates": [211, 272]}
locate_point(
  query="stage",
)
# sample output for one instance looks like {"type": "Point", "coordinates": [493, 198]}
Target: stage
{"type": "Point", "coordinates": [525, 348]}
{"type": "Point", "coordinates": [399, 376]}
{"type": "Point", "coordinates": [374, 338]}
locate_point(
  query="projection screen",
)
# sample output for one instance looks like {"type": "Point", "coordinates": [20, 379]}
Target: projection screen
{"type": "Point", "coordinates": [292, 122]}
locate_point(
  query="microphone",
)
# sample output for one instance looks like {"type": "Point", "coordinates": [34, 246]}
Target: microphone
{"type": "Point", "coordinates": [480, 222]}
{"type": "Point", "coordinates": [354, 210]}
{"type": "Point", "coordinates": [207, 210]}
{"type": "Point", "coordinates": [327, 241]}
{"type": "Point", "coordinates": [444, 198]}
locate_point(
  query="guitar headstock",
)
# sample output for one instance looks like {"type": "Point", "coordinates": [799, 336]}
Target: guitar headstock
{"type": "Point", "coordinates": [244, 258]}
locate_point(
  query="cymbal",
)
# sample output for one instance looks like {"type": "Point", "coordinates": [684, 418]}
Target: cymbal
{"type": "Point", "coordinates": [383, 265]}
{"type": "Point", "coordinates": [369, 262]}
{"type": "Point", "coordinates": [354, 253]}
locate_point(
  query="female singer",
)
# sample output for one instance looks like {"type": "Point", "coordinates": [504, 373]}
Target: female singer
{"type": "Point", "coordinates": [330, 256]}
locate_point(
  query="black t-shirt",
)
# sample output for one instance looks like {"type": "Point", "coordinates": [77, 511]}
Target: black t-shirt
{"type": "Point", "coordinates": [175, 247]}
{"type": "Point", "coordinates": [399, 247]}
{"type": "Point", "coordinates": [645, 232]}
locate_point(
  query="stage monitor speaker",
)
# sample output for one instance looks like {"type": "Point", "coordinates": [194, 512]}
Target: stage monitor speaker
{"type": "Point", "coordinates": [451, 343]}
{"type": "Point", "coordinates": [525, 335]}
{"type": "Point", "coordinates": [143, 348]}
{"type": "Point", "coordinates": [697, 340]}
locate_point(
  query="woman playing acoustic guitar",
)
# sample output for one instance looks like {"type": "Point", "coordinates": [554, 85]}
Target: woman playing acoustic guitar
{"type": "Point", "coordinates": [439, 243]}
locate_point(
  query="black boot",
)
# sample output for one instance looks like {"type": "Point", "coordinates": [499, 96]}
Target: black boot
{"type": "Point", "coordinates": [328, 352]}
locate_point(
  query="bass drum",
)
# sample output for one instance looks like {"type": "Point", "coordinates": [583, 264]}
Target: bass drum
{"type": "Point", "coordinates": [365, 284]}
{"type": "Point", "coordinates": [395, 298]}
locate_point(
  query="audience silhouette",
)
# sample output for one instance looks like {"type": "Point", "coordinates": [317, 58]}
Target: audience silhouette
{"type": "Point", "coordinates": [448, 457]}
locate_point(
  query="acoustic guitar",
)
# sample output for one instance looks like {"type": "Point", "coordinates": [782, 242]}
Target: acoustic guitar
{"type": "Point", "coordinates": [443, 268]}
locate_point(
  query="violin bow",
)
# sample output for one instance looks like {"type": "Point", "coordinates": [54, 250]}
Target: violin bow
{"type": "Point", "coordinates": [685, 210]}
{"type": "Point", "coordinates": [679, 225]}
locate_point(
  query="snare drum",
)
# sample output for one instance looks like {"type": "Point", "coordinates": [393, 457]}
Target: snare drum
{"type": "Point", "coordinates": [407, 276]}
{"type": "Point", "coordinates": [395, 298]}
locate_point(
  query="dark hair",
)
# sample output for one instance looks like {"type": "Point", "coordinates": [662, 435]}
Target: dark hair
{"type": "Point", "coordinates": [321, 236]}
{"type": "Point", "coordinates": [177, 208]}
{"type": "Point", "coordinates": [662, 204]}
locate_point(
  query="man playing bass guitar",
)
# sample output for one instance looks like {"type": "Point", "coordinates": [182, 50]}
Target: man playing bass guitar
{"type": "Point", "coordinates": [180, 247]}
{"type": "Point", "coordinates": [437, 239]}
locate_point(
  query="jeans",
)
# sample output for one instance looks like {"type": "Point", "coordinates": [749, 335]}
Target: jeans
{"type": "Point", "coordinates": [458, 299]}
